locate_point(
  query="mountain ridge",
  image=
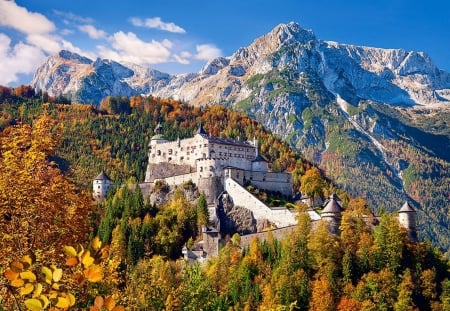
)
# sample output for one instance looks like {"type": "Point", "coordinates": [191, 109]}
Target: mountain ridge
{"type": "Point", "coordinates": [294, 84]}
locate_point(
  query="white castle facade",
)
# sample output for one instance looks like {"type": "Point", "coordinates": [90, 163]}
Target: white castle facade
{"type": "Point", "coordinates": [223, 167]}
{"type": "Point", "coordinates": [205, 157]}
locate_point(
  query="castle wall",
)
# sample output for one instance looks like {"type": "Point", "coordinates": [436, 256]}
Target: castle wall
{"type": "Point", "coordinates": [281, 217]}
{"type": "Point", "coordinates": [181, 179]}
{"type": "Point", "coordinates": [188, 151]}
{"type": "Point", "coordinates": [281, 182]}
{"type": "Point", "coordinates": [212, 187]}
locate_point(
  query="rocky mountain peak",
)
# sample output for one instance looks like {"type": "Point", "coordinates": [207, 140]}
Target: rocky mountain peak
{"type": "Point", "coordinates": [67, 55]}
{"type": "Point", "coordinates": [292, 32]}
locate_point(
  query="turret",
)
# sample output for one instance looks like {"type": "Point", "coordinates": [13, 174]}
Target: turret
{"type": "Point", "coordinates": [156, 139]}
{"type": "Point", "coordinates": [407, 219]}
{"type": "Point", "coordinates": [259, 164]}
{"type": "Point", "coordinates": [101, 185]}
{"type": "Point", "coordinates": [201, 130]}
{"type": "Point", "coordinates": [332, 213]}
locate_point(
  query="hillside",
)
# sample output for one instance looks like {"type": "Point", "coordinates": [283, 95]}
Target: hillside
{"type": "Point", "coordinates": [375, 120]}
{"type": "Point", "coordinates": [140, 242]}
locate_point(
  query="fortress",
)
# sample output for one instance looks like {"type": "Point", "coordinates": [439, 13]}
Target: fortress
{"type": "Point", "coordinates": [222, 169]}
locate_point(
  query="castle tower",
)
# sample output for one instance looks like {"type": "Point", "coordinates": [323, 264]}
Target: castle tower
{"type": "Point", "coordinates": [407, 219]}
{"type": "Point", "coordinates": [258, 163]}
{"type": "Point", "coordinates": [101, 185]}
{"type": "Point", "coordinates": [154, 153]}
{"type": "Point", "coordinates": [201, 130]}
{"type": "Point", "coordinates": [332, 213]}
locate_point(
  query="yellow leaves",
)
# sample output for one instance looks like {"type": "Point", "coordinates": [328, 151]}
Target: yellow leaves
{"type": "Point", "coordinates": [70, 251]}
{"type": "Point", "coordinates": [34, 304]}
{"type": "Point", "coordinates": [17, 283]}
{"type": "Point", "coordinates": [93, 274]}
{"type": "Point", "coordinates": [63, 303]}
{"type": "Point", "coordinates": [48, 274]}
{"type": "Point", "coordinates": [86, 259]}
{"type": "Point", "coordinates": [28, 275]}
{"type": "Point", "coordinates": [57, 275]}
{"type": "Point", "coordinates": [109, 304]}
{"type": "Point", "coordinates": [37, 290]}
{"type": "Point", "coordinates": [27, 289]}
{"type": "Point", "coordinates": [96, 243]}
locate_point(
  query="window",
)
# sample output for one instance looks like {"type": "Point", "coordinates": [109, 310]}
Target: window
{"type": "Point", "coordinates": [170, 151]}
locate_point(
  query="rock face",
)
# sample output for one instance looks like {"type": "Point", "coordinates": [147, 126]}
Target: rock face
{"type": "Point", "coordinates": [87, 81]}
{"type": "Point", "coordinates": [392, 76]}
{"type": "Point", "coordinates": [352, 110]}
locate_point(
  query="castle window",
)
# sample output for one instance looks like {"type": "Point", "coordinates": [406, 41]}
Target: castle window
{"type": "Point", "coordinates": [158, 152]}
{"type": "Point", "coordinates": [170, 151]}
{"type": "Point", "coordinates": [181, 158]}
{"type": "Point", "coordinates": [98, 187]}
{"type": "Point", "coordinates": [211, 168]}
{"type": "Point", "coordinates": [204, 156]}
{"type": "Point", "coordinates": [201, 168]}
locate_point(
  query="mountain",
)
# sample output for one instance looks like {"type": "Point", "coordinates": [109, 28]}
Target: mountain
{"type": "Point", "coordinates": [375, 120]}
{"type": "Point", "coordinates": [84, 80]}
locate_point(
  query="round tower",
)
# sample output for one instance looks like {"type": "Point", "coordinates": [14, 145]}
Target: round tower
{"type": "Point", "coordinates": [101, 185]}
{"type": "Point", "coordinates": [407, 219]}
{"type": "Point", "coordinates": [332, 213]}
{"type": "Point", "coordinates": [155, 155]}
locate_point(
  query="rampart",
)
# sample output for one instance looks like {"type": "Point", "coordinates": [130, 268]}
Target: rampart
{"type": "Point", "coordinates": [281, 217]}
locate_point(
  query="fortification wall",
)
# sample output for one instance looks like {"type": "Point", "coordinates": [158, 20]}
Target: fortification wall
{"type": "Point", "coordinates": [181, 179]}
{"type": "Point", "coordinates": [281, 217]}
{"type": "Point", "coordinates": [212, 187]}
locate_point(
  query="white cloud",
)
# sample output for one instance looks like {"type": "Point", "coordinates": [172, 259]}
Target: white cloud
{"type": "Point", "coordinates": [66, 32]}
{"type": "Point", "coordinates": [207, 52]}
{"type": "Point", "coordinates": [156, 23]}
{"type": "Point", "coordinates": [183, 57]}
{"type": "Point", "coordinates": [128, 47]}
{"type": "Point", "coordinates": [47, 42]}
{"type": "Point", "coordinates": [19, 18]}
{"type": "Point", "coordinates": [93, 32]}
{"type": "Point", "coordinates": [20, 59]}
{"type": "Point", "coordinates": [73, 17]}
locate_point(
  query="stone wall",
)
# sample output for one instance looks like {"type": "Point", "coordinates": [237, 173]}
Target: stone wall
{"type": "Point", "coordinates": [181, 179]}
{"type": "Point", "coordinates": [281, 217]}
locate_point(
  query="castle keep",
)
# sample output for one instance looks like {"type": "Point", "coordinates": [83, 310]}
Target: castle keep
{"type": "Point", "coordinates": [204, 158]}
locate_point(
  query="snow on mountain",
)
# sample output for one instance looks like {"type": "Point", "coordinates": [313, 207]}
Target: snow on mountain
{"type": "Point", "coordinates": [394, 76]}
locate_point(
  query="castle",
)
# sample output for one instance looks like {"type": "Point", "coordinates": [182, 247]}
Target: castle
{"type": "Point", "coordinates": [222, 168]}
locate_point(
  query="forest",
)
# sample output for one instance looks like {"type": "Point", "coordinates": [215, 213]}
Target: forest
{"type": "Point", "coordinates": [60, 250]}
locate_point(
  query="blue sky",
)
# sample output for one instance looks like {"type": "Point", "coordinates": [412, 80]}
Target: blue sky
{"type": "Point", "coordinates": [180, 36]}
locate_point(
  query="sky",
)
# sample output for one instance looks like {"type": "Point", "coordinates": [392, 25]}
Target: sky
{"type": "Point", "coordinates": [180, 36]}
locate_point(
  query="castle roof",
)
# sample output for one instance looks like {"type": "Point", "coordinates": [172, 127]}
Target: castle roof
{"type": "Point", "coordinates": [201, 130]}
{"type": "Point", "coordinates": [102, 176]}
{"type": "Point", "coordinates": [332, 205]}
{"type": "Point", "coordinates": [226, 141]}
{"type": "Point", "coordinates": [406, 208]}
{"type": "Point", "coordinates": [259, 158]}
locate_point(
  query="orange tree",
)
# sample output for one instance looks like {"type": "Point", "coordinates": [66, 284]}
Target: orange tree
{"type": "Point", "coordinates": [40, 210]}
